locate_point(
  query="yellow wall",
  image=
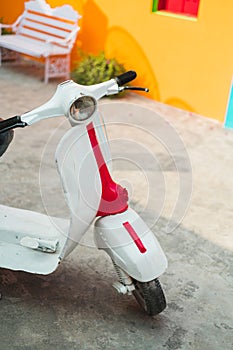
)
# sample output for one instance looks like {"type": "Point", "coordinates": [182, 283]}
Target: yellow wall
{"type": "Point", "coordinates": [191, 61]}
{"type": "Point", "coordinates": [186, 63]}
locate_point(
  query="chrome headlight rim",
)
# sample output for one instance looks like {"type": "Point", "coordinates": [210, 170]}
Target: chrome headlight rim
{"type": "Point", "coordinates": [82, 109]}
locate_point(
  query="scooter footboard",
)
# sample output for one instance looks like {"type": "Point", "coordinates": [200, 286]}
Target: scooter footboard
{"type": "Point", "coordinates": [131, 245]}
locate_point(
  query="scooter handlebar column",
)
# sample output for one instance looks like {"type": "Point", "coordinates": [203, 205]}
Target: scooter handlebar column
{"type": "Point", "coordinates": [126, 77]}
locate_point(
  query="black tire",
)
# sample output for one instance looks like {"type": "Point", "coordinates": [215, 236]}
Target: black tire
{"type": "Point", "coordinates": [150, 296]}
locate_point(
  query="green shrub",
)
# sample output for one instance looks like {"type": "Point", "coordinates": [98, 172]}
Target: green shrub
{"type": "Point", "coordinates": [94, 69]}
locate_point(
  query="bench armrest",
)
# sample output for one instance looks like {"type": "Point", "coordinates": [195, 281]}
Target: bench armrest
{"type": "Point", "coordinates": [68, 41]}
{"type": "Point", "coordinates": [12, 26]}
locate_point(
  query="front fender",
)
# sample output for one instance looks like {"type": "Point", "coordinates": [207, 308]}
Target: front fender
{"type": "Point", "coordinates": [131, 245]}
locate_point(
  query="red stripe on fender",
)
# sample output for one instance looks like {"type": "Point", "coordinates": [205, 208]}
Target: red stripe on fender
{"type": "Point", "coordinates": [135, 237]}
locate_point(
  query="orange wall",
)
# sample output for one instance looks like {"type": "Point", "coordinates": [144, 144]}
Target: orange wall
{"type": "Point", "coordinates": [186, 63]}
{"type": "Point", "coordinates": [10, 10]}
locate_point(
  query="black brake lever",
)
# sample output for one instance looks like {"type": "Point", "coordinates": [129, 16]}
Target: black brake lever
{"type": "Point", "coordinates": [135, 88]}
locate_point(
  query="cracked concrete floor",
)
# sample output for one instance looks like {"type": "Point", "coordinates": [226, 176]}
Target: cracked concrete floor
{"type": "Point", "coordinates": [76, 307]}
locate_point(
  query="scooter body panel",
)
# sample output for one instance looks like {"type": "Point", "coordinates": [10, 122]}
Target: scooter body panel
{"type": "Point", "coordinates": [17, 224]}
{"type": "Point", "coordinates": [75, 161]}
{"type": "Point", "coordinates": [81, 183]}
{"type": "Point", "coordinates": [131, 245]}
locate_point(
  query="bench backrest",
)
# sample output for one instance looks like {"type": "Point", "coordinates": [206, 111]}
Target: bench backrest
{"type": "Point", "coordinates": [41, 22]}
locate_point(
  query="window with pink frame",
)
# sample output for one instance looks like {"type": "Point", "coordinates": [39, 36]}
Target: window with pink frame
{"type": "Point", "coordinates": [183, 7]}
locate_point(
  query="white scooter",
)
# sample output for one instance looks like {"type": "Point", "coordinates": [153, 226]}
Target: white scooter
{"type": "Point", "coordinates": [37, 243]}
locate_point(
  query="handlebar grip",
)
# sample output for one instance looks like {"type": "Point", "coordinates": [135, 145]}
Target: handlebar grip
{"type": "Point", "coordinates": [11, 123]}
{"type": "Point", "coordinates": [126, 77]}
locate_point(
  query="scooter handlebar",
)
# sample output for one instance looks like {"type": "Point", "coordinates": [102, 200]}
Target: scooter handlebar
{"type": "Point", "coordinates": [60, 102]}
{"type": "Point", "coordinates": [126, 77]}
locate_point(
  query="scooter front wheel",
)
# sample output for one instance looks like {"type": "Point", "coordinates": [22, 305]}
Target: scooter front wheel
{"type": "Point", "coordinates": [150, 296]}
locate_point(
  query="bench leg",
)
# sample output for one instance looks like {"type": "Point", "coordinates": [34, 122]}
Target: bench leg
{"type": "Point", "coordinates": [57, 66]}
{"type": "Point", "coordinates": [46, 75]}
{"type": "Point", "coordinates": [67, 75]}
{"type": "Point", "coordinates": [8, 55]}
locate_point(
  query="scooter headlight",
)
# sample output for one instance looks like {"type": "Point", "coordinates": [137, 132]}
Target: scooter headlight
{"type": "Point", "coordinates": [82, 108]}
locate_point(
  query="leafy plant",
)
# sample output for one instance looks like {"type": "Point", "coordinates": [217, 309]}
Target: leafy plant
{"type": "Point", "coordinates": [94, 69]}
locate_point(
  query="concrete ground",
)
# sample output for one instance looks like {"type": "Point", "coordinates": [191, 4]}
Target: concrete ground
{"type": "Point", "coordinates": [76, 307]}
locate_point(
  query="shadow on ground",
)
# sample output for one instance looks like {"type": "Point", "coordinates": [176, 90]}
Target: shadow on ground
{"type": "Point", "coordinates": [76, 308]}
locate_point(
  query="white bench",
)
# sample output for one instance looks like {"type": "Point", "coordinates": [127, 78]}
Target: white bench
{"type": "Point", "coordinates": [45, 33]}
